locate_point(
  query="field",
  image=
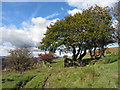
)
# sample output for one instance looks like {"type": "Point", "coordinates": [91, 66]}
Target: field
{"type": "Point", "coordinates": [103, 74]}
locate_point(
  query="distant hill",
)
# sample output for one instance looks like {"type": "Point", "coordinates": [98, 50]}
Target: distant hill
{"type": "Point", "coordinates": [113, 49]}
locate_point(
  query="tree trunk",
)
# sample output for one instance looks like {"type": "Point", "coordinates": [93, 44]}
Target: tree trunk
{"type": "Point", "coordinates": [90, 51]}
{"type": "Point", "coordinates": [78, 52]}
{"type": "Point", "coordinates": [102, 51]}
{"type": "Point", "coordinates": [94, 52]}
{"type": "Point", "coordinates": [99, 51]}
{"type": "Point", "coordinates": [82, 55]}
{"type": "Point", "coordinates": [74, 54]}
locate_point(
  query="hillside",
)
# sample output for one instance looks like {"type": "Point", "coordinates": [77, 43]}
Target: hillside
{"type": "Point", "coordinates": [111, 50]}
{"type": "Point", "coordinates": [55, 75]}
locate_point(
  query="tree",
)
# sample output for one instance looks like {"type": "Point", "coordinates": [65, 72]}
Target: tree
{"type": "Point", "coordinates": [101, 29]}
{"type": "Point", "coordinates": [20, 59]}
{"type": "Point", "coordinates": [116, 13]}
{"type": "Point", "coordinates": [80, 32]}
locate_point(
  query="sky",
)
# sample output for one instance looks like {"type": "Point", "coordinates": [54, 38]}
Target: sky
{"type": "Point", "coordinates": [24, 23]}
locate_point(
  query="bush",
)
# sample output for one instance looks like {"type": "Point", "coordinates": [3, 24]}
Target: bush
{"type": "Point", "coordinates": [20, 59]}
{"type": "Point", "coordinates": [4, 63]}
{"type": "Point", "coordinates": [47, 57]}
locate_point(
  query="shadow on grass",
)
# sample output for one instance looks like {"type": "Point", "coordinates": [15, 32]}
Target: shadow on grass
{"type": "Point", "coordinates": [88, 60]}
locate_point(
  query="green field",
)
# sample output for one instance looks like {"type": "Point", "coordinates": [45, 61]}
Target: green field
{"type": "Point", "coordinates": [100, 75]}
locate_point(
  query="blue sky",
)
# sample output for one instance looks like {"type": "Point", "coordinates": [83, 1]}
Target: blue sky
{"type": "Point", "coordinates": [16, 13]}
{"type": "Point", "coordinates": [25, 22]}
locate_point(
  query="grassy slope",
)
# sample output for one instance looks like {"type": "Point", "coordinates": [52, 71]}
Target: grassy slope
{"type": "Point", "coordinates": [92, 76]}
{"type": "Point", "coordinates": [30, 79]}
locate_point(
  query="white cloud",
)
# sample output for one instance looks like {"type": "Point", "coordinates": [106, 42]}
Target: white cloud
{"type": "Point", "coordinates": [31, 34]}
{"type": "Point", "coordinates": [52, 15]}
{"type": "Point", "coordinates": [15, 36]}
{"type": "Point", "coordinates": [84, 4]}
{"type": "Point", "coordinates": [62, 9]}
{"type": "Point", "coordinates": [74, 11]}
{"type": "Point", "coordinates": [36, 51]}
{"type": "Point", "coordinates": [115, 23]}
{"type": "Point", "coordinates": [4, 49]}
{"type": "Point", "coordinates": [38, 20]}
{"type": "Point", "coordinates": [24, 24]}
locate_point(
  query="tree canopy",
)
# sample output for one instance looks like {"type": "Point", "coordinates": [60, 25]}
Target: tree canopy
{"type": "Point", "coordinates": [84, 31]}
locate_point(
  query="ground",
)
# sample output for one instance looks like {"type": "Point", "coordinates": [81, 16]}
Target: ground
{"type": "Point", "coordinates": [99, 75]}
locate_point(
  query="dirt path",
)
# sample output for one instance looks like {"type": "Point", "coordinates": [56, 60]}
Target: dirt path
{"type": "Point", "coordinates": [22, 85]}
{"type": "Point", "coordinates": [46, 82]}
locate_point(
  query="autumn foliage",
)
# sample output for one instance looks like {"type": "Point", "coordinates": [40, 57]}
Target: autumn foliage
{"type": "Point", "coordinates": [47, 57]}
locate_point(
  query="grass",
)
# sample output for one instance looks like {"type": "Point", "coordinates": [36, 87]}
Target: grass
{"type": "Point", "coordinates": [38, 81]}
{"type": "Point", "coordinates": [94, 76]}
{"type": "Point", "coordinates": [15, 80]}
{"type": "Point", "coordinates": [100, 75]}
{"type": "Point", "coordinates": [30, 79]}
{"type": "Point", "coordinates": [110, 58]}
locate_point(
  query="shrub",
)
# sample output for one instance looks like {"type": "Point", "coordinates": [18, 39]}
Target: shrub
{"type": "Point", "coordinates": [47, 57]}
{"type": "Point", "coordinates": [4, 63]}
{"type": "Point", "coordinates": [20, 59]}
